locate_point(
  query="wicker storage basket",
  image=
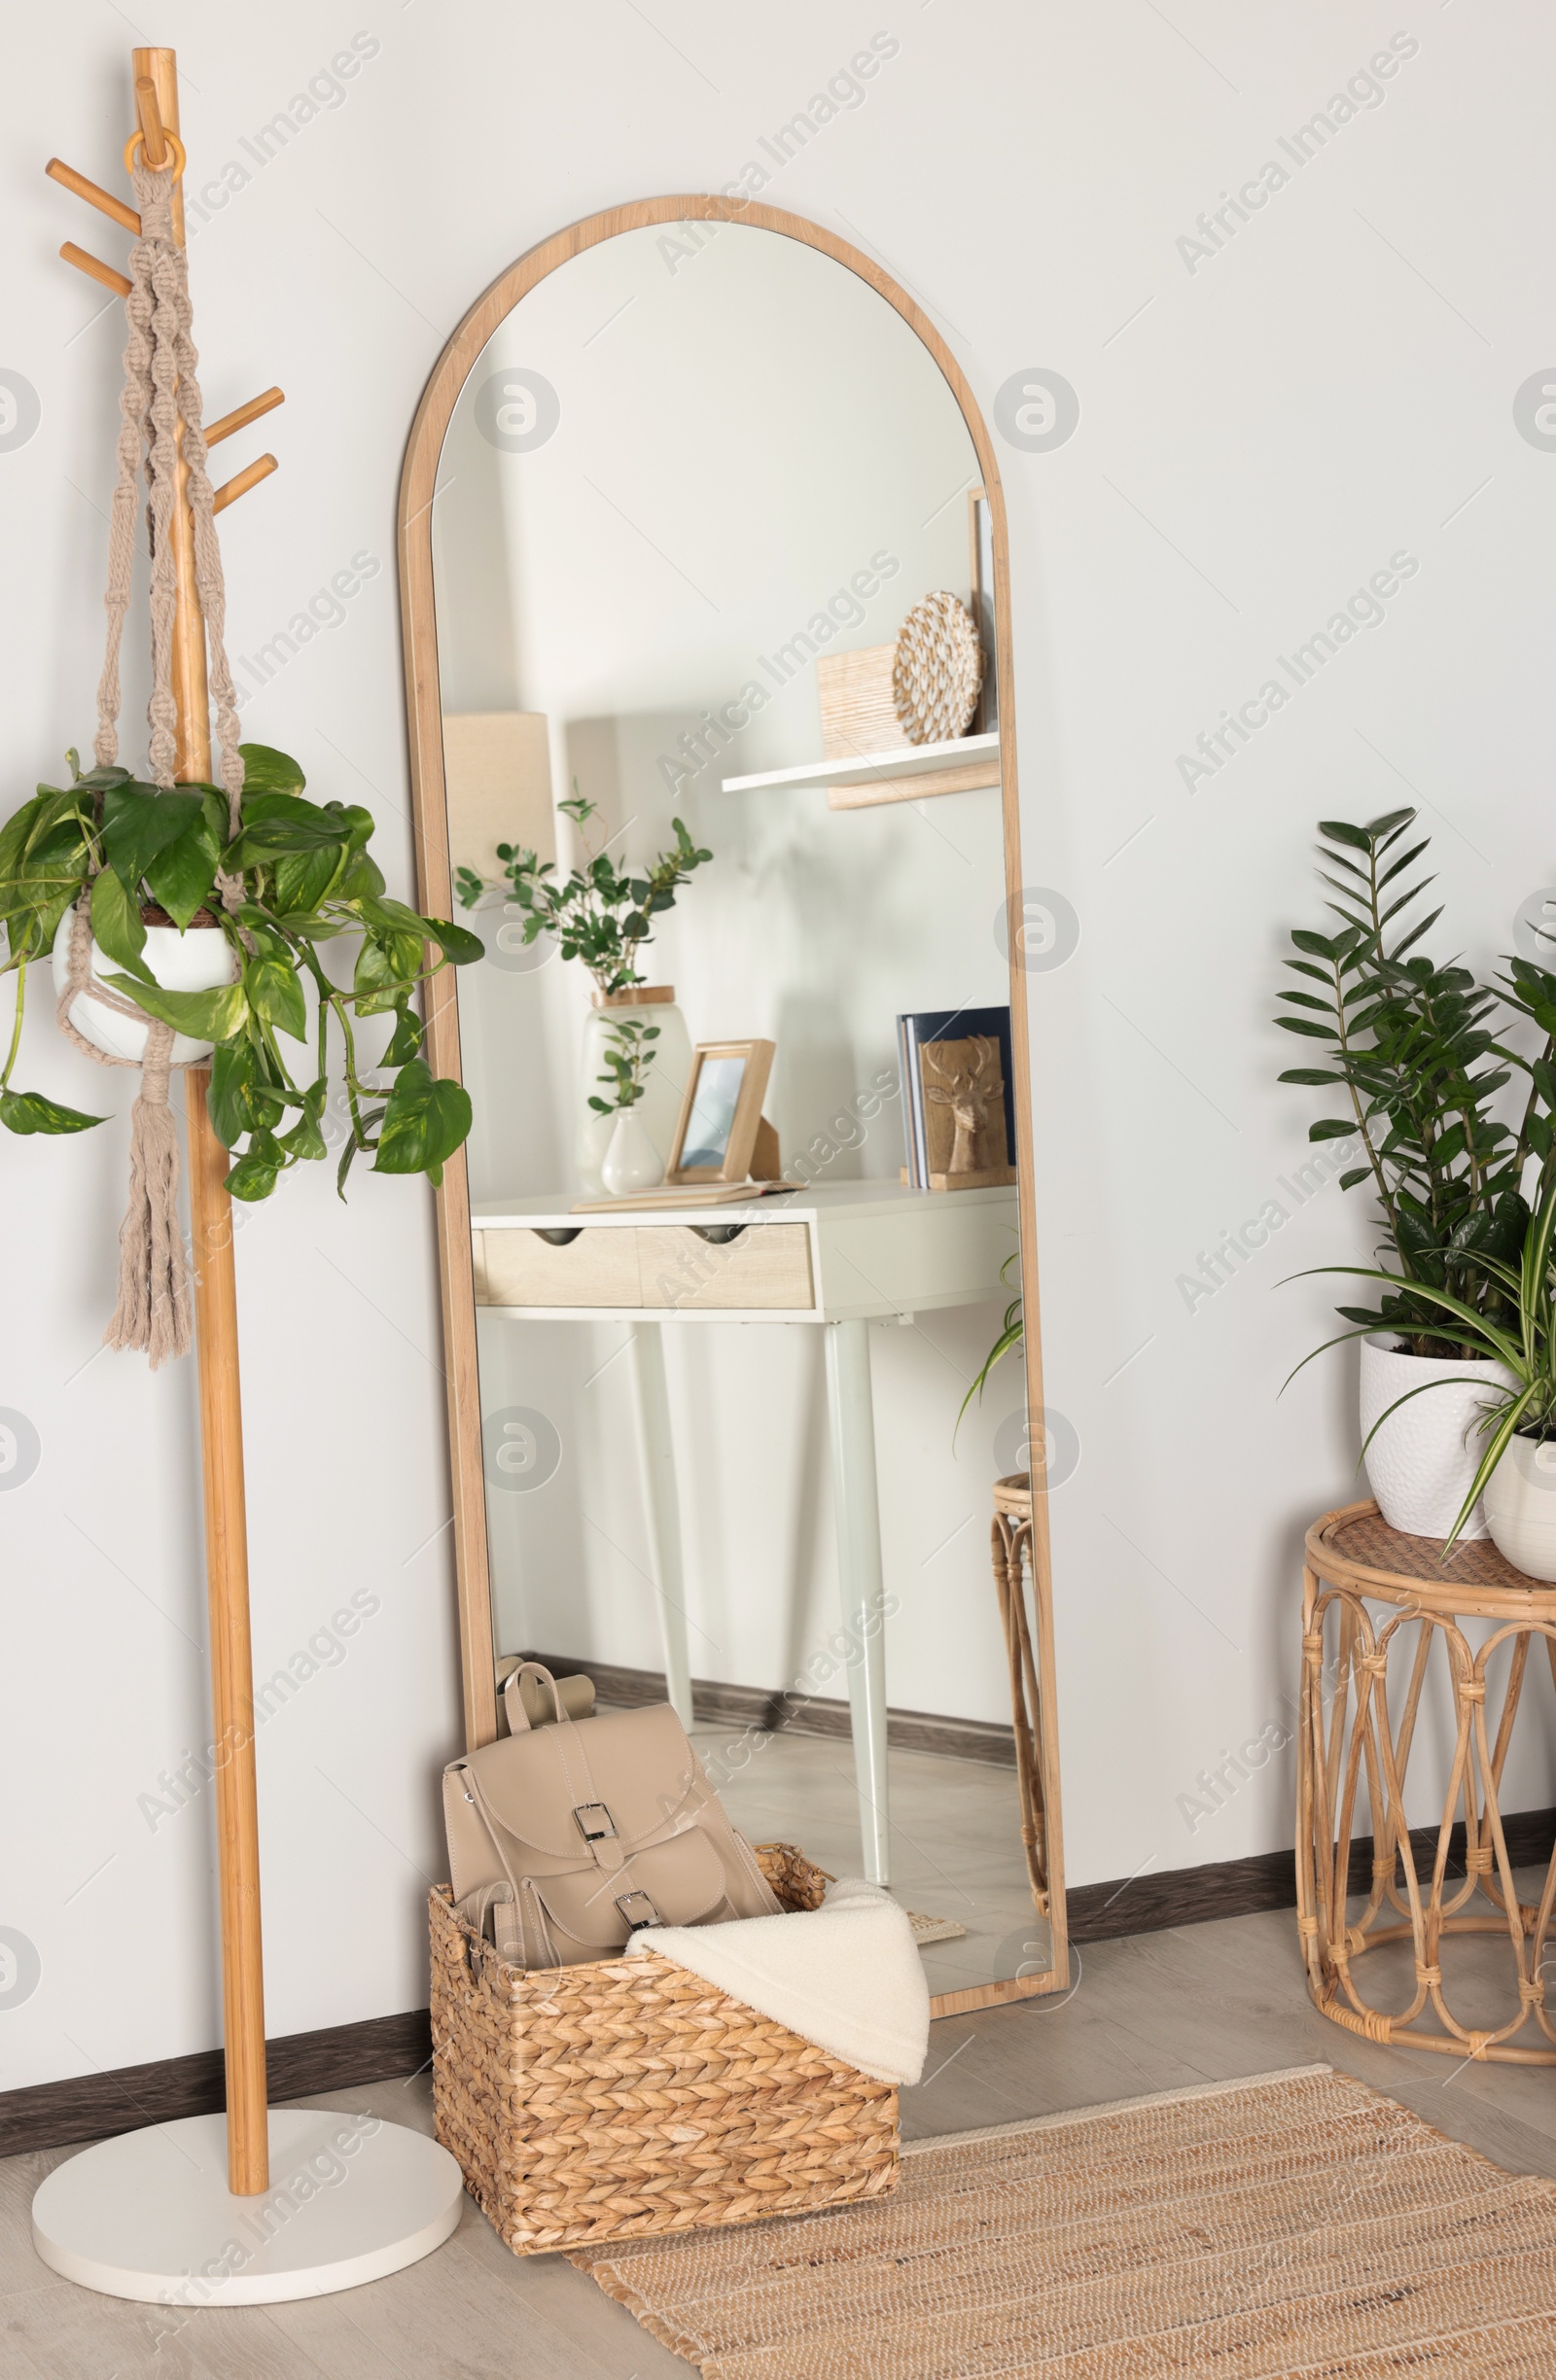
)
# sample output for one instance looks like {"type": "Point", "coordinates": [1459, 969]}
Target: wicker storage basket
{"type": "Point", "coordinates": [625, 2096]}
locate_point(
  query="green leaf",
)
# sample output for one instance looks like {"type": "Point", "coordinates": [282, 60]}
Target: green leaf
{"type": "Point", "coordinates": [275, 994]}
{"type": "Point", "coordinates": [1314, 1077]}
{"type": "Point", "coordinates": [28, 1111]}
{"type": "Point", "coordinates": [206, 1016]}
{"type": "Point", "coordinates": [182, 875]}
{"type": "Point", "coordinates": [231, 1098]}
{"type": "Point", "coordinates": [387, 964]}
{"type": "Point", "coordinates": [1356, 1173]}
{"type": "Point", "coordinates": [303, 878]}
{"type": "Point", "coordinates": [1303, 1025]}
{"type": "Point", "coordinates": [455, 941]}
{"type": "Point", "coordinates": [257, 1170]}
{"type": "Point", "coordinates": [306, 1140]}
{"type": "Point", "coordinates": [405, 1042]}
{"type": "Point", "coordinates": [267, 771]}
{"type": "Point", "coordinates": [140, 822]}
{"type": "Point", "coordinates": [1335, 830]}
{"type": "Point", "coordinates": [425, 1121]}
{"type": "Point", "coordinates": [116, 923]}
{"type": "Point", "coordinates": [1332, 1128]}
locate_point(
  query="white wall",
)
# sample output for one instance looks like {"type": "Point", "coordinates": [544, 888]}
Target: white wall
{"type": "Point", "coordinates": [1256, 438]}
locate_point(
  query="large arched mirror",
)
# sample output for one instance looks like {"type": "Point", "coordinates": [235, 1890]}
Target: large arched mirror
{"type": "Point", "coordinates": [707, 631]}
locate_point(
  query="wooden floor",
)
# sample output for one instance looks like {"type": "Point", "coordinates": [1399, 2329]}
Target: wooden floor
{"type": "Point", "coordinates": [1147, 2014]}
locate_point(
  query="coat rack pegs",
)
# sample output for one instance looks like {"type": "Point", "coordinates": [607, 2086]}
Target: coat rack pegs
{"type": "Point", "coordinates": [151, 131]}
{"type": "Point", "coordinates": [243, 481]}
{"type": "Point", "coordinates": [101, 199]}
{"type": "Point", "coordinates": [95, 269]}
{"type": "Point", "coordinates": [241, 416]}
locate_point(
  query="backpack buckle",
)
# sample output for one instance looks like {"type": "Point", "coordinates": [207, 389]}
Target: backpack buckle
{"type": "Point", "coordinates": [595, 1821]}
{"type": "Point", "coordinates": [638, 1910]}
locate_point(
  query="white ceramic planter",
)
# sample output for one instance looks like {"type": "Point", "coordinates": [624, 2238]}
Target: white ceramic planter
{"type": "Point", "coordinates": [199, 961]}
{"type": "Point", "coordinates": [1520, 1502]}
{"type": "Point", "coordinates": [1420, 1465]}
{"type": "Point", "coordinates": [663, 1086]}
{"type": "Point", "coordinates": [633, 1162]}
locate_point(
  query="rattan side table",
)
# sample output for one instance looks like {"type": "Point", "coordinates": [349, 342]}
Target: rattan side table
{"type": "Point", "coordinates": [1010, 1544]}
{"type": "Point", "coordinates": [1355, 1745]}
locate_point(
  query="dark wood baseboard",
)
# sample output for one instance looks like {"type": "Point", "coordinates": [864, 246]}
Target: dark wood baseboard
{"type": "Point", "coordinates": [91, 2107]}
{"type": "Point", "coordinates": [1236, 1888]}
{"type": "Point", "coordinates": [716, 1704]}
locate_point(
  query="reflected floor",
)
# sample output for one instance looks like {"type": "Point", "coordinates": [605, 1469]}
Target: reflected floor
{"type": "Point", "coordinates": [955, 1839]}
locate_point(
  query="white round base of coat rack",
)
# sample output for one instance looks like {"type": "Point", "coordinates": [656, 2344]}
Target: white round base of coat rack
{"type": "Point", "coordinates": [149, 2215]}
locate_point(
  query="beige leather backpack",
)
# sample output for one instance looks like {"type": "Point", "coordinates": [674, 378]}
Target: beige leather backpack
{"type": "Point", "coordinates": [563, 1839]}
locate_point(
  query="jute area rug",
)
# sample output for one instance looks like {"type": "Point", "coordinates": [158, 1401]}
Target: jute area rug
{"type": "Point", "coordinates": [1291, 2224]}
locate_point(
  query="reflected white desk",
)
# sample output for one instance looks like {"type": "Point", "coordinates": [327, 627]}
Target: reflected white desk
{"type": "Point", "coordinates": [844, 1256]}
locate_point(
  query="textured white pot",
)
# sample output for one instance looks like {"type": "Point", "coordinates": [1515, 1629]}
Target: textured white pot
{"type": "Point", "coordinates": [199, 961]}
{"type": "Point", "coordinates": [1420, 1465]}
{"type": "Point", "coordinates": [1520, 1502]}
{"type": "Point", "coordinates": [633, 1162]}
{"type": "Point", "coordinates": [663, 1086]}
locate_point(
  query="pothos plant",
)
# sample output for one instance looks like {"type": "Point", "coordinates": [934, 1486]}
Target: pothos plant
{"type": "Point", "coordinates": [599, 913]}
{"type": "Point", "coordinates": [1414, 1048]}
{"type": "Point", "coordinates": [308, 880]}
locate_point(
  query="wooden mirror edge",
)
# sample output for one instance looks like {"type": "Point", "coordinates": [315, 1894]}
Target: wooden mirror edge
{"type": "Point", "coordinates": [429, 806]}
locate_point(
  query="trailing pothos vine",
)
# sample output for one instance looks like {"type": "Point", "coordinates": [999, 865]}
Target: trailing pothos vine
{"type": "Point", "coordinates": [153, 854]}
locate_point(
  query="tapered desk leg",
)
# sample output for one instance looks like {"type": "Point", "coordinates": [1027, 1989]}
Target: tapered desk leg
{"type": "Point", "coordinates": [858, 1574]}
{"type": "Point", "coordinates": [656, 1451]}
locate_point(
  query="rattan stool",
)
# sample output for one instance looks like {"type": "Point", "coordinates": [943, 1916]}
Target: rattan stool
{"type": "Point", "coordinates": [1354, 1558]}
{"type": "Point", "coordinates": [1011, 1547]}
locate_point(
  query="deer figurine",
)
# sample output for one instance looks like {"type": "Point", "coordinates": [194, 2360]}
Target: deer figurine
{"type": "Point", "coordinates": [967, 1087]}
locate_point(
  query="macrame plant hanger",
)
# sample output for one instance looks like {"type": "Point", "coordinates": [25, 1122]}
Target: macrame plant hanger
{"type": "Point", "coordinates": [126, 2217]}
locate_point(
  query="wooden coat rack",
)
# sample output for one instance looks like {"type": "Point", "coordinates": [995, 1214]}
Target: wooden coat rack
{"type": "Point", "coordinates": [227, 1561]}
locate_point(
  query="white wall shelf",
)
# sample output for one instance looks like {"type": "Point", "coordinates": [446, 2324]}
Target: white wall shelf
{"type": "Point", "coordinates": [903, 763]}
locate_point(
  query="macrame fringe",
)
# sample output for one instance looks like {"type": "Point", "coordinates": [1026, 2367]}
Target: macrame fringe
{"type": "Point", "coordinates": [153, 1312]}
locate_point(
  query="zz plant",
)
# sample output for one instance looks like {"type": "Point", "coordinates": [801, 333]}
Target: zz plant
{"type": "Point", "coordinates": [308, 880]}
{"type": "Point", "coordinates": [1414, 1048]}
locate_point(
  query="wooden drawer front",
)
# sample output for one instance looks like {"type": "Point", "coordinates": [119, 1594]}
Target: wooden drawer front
{"type": "Point", "coordinates": [767, 1266]}
{"type": "Point", "coordinates": [518, 1267]}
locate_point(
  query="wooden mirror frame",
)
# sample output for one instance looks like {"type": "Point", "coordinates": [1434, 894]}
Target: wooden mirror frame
{"type": "Point", "coordinates": [419, 625]}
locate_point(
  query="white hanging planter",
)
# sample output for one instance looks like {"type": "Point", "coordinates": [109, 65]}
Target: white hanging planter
{"type": "Point", "coordinates": [1520, 1502]}
{"type": "Point", "coordinates": [1424, 1456]}
{"type": "Point", "coordinates": [202, 959]}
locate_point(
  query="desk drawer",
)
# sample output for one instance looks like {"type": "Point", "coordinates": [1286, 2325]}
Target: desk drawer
{"type": "Point", "coordinates": [767, 1266]}
{"type": "Point", "coordinates": [518, 1267]}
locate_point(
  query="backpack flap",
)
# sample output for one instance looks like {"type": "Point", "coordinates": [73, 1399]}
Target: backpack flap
{"type": "Point", "coordinates": [681, 1882]}
{"type": "Point", "coordinates": [630, 1775]}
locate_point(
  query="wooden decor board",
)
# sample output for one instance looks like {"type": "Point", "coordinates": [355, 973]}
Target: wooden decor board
{"type": "Point", "coordinates": [858, 715]}
{"type": "Point", "coordinates": [499, 768]}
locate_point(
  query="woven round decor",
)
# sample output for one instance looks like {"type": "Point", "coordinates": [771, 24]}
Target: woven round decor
{"type": "Point", "coordinates": [937, 670]}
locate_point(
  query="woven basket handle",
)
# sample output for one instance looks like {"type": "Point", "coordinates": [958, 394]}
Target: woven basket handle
{"type": "Point", "coordinates": [518, 1722]}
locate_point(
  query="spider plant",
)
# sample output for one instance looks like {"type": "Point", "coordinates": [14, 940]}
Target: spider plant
{"type": "Point", "coordinates": [1012, 1330]}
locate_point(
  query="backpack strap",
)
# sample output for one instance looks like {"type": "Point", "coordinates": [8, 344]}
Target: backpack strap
{"type": "Point", "coordinates": [518, 1719]}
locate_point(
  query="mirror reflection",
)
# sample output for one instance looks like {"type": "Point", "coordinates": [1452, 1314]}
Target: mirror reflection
{"type": "Point", "coordinates": [715, 639]}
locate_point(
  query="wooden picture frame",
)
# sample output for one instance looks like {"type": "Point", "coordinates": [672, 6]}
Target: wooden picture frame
{"type": "Point", "coordinates": [740, 1140]}
{"type": "Point", "coordinates": [418, 488]}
